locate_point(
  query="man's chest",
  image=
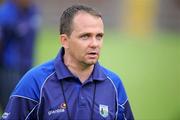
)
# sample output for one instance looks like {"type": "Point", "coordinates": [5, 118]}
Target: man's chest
{"type": "Point", "coordinates": [78, 102]}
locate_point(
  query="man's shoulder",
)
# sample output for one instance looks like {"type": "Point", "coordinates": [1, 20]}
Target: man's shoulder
{"type": "Point", "coordinates": [30, 84]}
{"type": "Point", "coordinates": [117, 82]}
{"type": "Point", "coordinates": [111, 75]}
{"type": "Point", "coordinates": [42, 70]}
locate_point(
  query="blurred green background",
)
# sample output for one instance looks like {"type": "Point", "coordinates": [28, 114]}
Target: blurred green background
{"type": "Point", "coordinates": [148, 66]}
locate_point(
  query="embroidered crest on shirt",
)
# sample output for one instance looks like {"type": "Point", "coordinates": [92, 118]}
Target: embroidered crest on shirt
{"type": "Point", "coordinates": [103, 110]}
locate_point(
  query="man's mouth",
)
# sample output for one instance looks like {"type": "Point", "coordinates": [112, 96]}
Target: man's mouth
{"type": "Point", "coordinates": [93, 54]}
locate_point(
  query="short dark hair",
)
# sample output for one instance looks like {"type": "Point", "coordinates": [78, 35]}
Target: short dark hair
{"type": "Point", "coordinates": [68, 15]}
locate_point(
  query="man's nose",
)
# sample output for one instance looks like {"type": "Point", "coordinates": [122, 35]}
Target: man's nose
{"type": "Point", "coordinates": [94, 42]}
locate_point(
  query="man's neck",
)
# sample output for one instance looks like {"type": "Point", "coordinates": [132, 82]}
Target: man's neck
{"type": "Point", "coordinates": [80, 70]}
{"type": "Point", "coordinates": [82, 73]}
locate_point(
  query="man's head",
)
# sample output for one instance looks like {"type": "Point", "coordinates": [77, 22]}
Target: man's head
{"type": "Point", "coordinates": [81, 35]}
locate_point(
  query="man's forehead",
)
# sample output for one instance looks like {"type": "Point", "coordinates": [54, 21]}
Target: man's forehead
{"type": "Point", "coordinates": [85, 22]}
{"type": "Point", "coordinates": [86, 18]}
{"type": "Point", "coordinates": [82, 13]}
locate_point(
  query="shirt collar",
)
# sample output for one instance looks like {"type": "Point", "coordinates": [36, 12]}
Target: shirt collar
{"type": "Point", "coordinates": [60, 68]}
{"type": "Point", "coordinates": [63, 72]}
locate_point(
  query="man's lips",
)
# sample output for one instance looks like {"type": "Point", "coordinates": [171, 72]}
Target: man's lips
{"type": "Point", "coordinates": [93, 54]}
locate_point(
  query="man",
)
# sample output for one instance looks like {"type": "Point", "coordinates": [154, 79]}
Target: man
{"type": "Point", "coordinates": [73, 86]}
{"type": "Point", "coordinates": [19, 22]}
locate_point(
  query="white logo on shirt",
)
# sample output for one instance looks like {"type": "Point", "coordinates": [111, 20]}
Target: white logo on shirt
{"type": "Point", "coordinates": [59, 110]}
{"type": "Point", "coordinates": [5, 115]}
{"type": "Point", "coordinates": [55, 111]}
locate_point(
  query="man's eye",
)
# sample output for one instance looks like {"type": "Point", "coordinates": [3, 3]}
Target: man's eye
{"type": "Point", "coordinates": [85, 37]}
{"type": "Point", "coordinates": [99, 37]}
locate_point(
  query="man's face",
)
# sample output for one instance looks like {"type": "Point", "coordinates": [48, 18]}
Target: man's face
{"type": "Point", "coordinates": [85, 41]}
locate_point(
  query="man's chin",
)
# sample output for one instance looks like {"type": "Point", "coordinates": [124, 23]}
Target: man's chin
{"type": "Point", "coordinates": [92, 62]}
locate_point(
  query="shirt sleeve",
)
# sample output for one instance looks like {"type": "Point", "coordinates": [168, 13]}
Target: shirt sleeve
{"type": "Point", "coordinates": [20, 108]}
{"type": "Point", "coordinates": [23, 102]}
{"type": "Point", "coordinates": [124, 109]}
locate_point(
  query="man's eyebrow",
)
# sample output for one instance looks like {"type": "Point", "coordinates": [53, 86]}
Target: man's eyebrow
{"type": "Point", "coordinates": [89, 34]}
{"type": "Point", "coordinates": [86, 33]}
{"type": "Point", "coordinates": [101, 34]}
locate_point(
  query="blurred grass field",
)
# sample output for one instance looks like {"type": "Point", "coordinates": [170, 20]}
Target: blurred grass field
{"type": "Point", "coordinates": [148, 66]}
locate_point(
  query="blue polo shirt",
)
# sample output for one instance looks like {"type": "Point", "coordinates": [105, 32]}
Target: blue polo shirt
{"type": "Point", "coordinates": [51, 92]}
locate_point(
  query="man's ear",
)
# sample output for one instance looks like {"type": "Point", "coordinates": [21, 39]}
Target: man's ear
{"type": "Point", "coordinates": [64, 40]}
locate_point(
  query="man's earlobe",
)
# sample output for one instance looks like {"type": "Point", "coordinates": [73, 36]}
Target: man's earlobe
{"type": "Point", "coordinates": [64, 40]}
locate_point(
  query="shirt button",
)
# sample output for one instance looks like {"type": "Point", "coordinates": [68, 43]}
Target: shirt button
{"type": "Point", "coordinates": [82, 98]}
{"type": "Point", "coordinates": [82, 101]}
